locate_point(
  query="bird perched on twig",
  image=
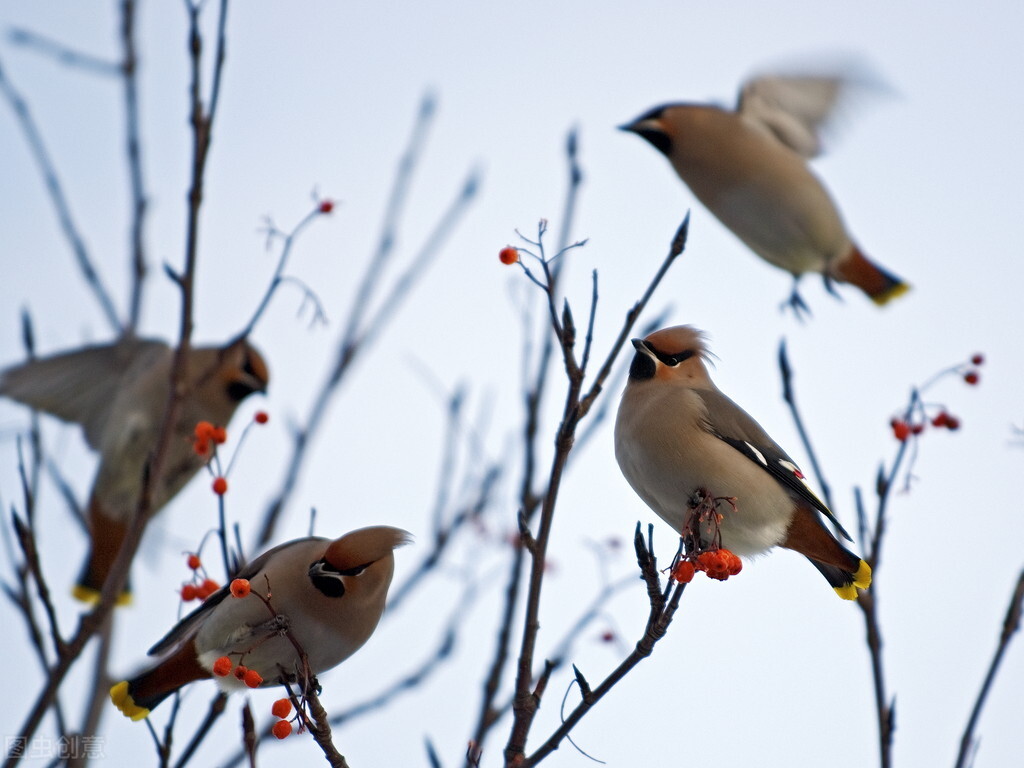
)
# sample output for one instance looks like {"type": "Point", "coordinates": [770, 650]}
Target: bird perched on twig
{"type": "Point", "coordinates": [677, 435]}
{"type": "Point", "coordinates": [749, 167]}
{"type": "Point", "coordinates": [118, 393]}
{"type": "Point", "coordinates": [313, 603]}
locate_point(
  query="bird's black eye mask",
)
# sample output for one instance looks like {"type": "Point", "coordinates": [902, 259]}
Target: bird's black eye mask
{"type": "Point", "coordinates": [672, 360]}
{"type": "Point", "coordinates": [643, 367]}
{"type": "Point", "coordinates": [327, 579]}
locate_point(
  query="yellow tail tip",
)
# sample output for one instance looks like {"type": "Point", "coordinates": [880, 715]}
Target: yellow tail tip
{"type": "Point", "coordinates": [890, 293]}
{"type": "Point", "coordinates": [862, 578]}
{"type": "Point", "coordinates": [90, 595]}
{"type": "Point", "coordinates": [847, 592]}
{"type": "Point", "coordinates": [124, 702]}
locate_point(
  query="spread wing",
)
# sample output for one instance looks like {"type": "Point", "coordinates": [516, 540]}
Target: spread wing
{"type": "Point", "coordinates": [81, 386]}
{"type": "Point", "coordinates": [733, 425]}
{"type": "Point", "coordinates": [792, 108]}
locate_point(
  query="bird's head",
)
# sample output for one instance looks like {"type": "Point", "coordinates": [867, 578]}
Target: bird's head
{"type": "Point", "coordinates": [672, 354]}
{"type": "Point", "coordinates": [652, 126]}
{"type": "Point", "coordinates": [243, 371]}
{"type": "Point", "coordinates": [361, 560]}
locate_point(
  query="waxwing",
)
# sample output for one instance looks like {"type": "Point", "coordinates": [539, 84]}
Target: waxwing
{"type": "Point", "coordinates": [118, 393]}
{"type": "Point", "coordinates": [325, 595]}
{"type": "Point", "coordinates": [749, 168]}
{"type": "Point", "coordinates": [677, 435]}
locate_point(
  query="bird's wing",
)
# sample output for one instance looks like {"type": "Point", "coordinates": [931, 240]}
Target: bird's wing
{"type": "Point", "coordinates": [185, 628]}
{"type": "Point", "coordinates": [792, 108]}
{"type": "Point", "coordinates": [730, 423]}
{"type": "Point", "coordinates": [82, 385]}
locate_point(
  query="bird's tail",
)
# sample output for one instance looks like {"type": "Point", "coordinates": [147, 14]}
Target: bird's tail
{"type": "Point", "coordinates": [138, 696]}
{"type": "Point", "coordinates": [846, 581]}
{"type": "Point", "coordinates": [105, 538]}
{"type": "Point", "coordinates": [881, 286]}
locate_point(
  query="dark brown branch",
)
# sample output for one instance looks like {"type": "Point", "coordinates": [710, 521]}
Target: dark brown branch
{"type": "Point", "coordinates": [660, 617]}
{"type": "Point", "coordinates": [216, 709]}
{"type": "Point", "coordinates": [1010, 626]}
{"type": "Point", "coordinates": [133, 144]}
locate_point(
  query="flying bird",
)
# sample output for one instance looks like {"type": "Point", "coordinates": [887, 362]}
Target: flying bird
{"type": "Point", "coordinates": [326, 596]}
{"type": "Point", "coordinates": [677, 434]}
{"type": "Point", "coordinates": [118, 394]}
{"type": "Point", "coordinates": [749, 167]}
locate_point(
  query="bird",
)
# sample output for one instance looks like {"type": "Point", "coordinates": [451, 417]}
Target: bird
{"type": "Point", "coordinates": [327, 596]}
{"type": "Point", "coordinates": [749, 167]}
{"type": "Point", "coordinates": [118, 393]}
{"type": "Point", "coordinates": [677, 435]}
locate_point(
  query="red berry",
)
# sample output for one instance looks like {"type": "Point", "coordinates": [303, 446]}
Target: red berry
{"type": "Point", "coordinates": [220, 486]}
{"type": "Point", "coordinates": [252, 678]}
{"type": "Point", "coordinates": [972, 377]}
{"type": "Point", "coordinates": [240, 588]}
{"type": "Point", "coordinates": [977, 359]}
{"type": "Point", "coordinates": [683, 572]}
{"type": "Point", "coordinates": [508, 255]}
{"type": "Point", "coordinates": [326, 206]}
{"type": "Point", "coordinates": [189, 592]}
{"type": "Point", "coordinates": [207, 588]}
{"type": "Point", "coordinates": [201, 446]}
{"type": "Point", "coordinates": [941, 419]}
{"type": "Point", "coordinates": [219, 435]}
{"type": "Point", "coordinates": [916, 429]}
{"type": "Point", "coordinates": [282, 729]}
{"type": "Point", "coordinates": [193, 561]}
{"type": "Point", "coordinates": [241, 671]}
{"type": "Point", "coordinates": [261, 417]}
{"type": "Point", "coordinates": [952, 423]}
{"type": "Point", "coordinates": [901, 429]}
{"type": "Point", "coordinates": [204, 430]}
{"type": "Point", "coordinates": [607, 636]}
{"type": "Point", "coordinates": [282, 708]}
{"type": "Point", "coordinates": [222, 666]}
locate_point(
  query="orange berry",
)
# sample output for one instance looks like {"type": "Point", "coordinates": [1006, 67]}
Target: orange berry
{"type": "Point", "coordinates": [282, 729]}
{"type": "Point", "coordinates": [977, 359]}
{"type": "Point", "coordinates": [252, 678]}
{"type": "Point", "coordinates": [972, 377]}
{"type": "Point", "coordinates": [326, 206]}
{"type": "Point", "coordinates": [261, 417]}
{"type": "Point", "coordinates": [220, 486]}
{"type": "Point", "coordinates": [281, 708]}
{"type": "Point", "coordinates": [683, 572]}
{"type": "Point", "coordinates": [222, 666]}
{"type": "Point", "coordinates": [219, 435]}
{"type": "Point", "coordinates": [193, 561]}
{"type": "Point", "coordinates": [204, 430]}
{"type": "Point", "coordinates": [508, 255]}
{"type": "Point", "coordinates": [240, 588]}
{"type": "Point", "coordinates": [201, 446]}
{"type": "Point", "coordinates": [207, 588]}
{"type": "Point", "coordinates": [900, 429]}
{"type": "Point", "coordinates": [241, 671]}
{"type": "Point", "coordinates": [189, 592]}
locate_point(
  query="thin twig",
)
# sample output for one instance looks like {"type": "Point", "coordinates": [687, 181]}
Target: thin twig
{"type": "Point", "coordinates": [1010, 626]}
{"type": "Point", "coordinates": [60, 203]}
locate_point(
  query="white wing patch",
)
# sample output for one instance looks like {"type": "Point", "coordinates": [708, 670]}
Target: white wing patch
{"type": "Point", "coordinates": [758, 455]}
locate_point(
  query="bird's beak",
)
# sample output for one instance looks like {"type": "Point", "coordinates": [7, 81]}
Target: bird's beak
{"type": "Point", "coordinates": [639, 344]}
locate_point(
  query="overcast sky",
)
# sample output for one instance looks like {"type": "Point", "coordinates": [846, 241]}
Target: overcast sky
{"type": "Point", "coordinates": [768, 668]}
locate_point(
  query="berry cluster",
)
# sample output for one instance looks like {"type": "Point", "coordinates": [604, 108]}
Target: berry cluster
{"type": "Point", "coordinates": [223, 667]}
{"type": "Point", "coordinates": [205, 434]}
{"type": "Point", "coordinates": [718, 564]}
{"type": "Point", "coordinates": [200, 587]}
{"type": "Point", "coordinates": [281, 709]}
{"type": "Point", "coordinates": [916, 419]}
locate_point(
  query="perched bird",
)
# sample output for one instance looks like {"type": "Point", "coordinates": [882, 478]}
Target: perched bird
{"type": "Point", "coordinates": [749, 168]}
{"type": "Point", "coordinates": [326, 595]}
{"type": "Point", "coordinates": [676, 434]}
{"type": "Point", "coordinates": [118, 393]}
